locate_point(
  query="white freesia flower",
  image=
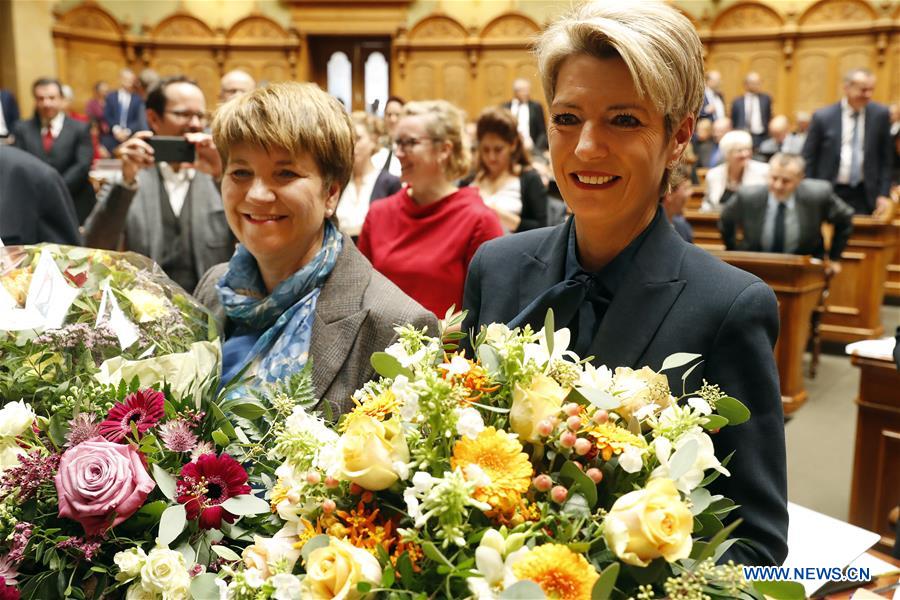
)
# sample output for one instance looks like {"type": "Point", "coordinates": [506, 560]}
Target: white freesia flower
{"type": "Point", "coordinates": [596, 378]}
{"type": "Point", "coordinates": [469, 422]}
{"type": "Point", "coordinates": [409, 399]}
{"type": "Point", "coordinates": [423, 482]}
{"type": "Point", "coordinates": [287, 587]}
{"type": "Point", "coordinates": [254, 578]}
{"type": "Point", "coordinates": [457, 366]}
{"type": "Point", "coordinates": [706, 459]}
{"type": "Point", "coordinates": [495, 571]}
{"type": "Point", "coordinates": [540, 354]}
{"type": "Point", "coordinates": [401, 469]}
{"type": "Point", "coordinates": [700, 405]}
{"type": "Point", "coordinates": [631, 459]}
{"type": "Point", "coordinates": [648, 410]}
{"type": "Point", "coordinates": [497, 334]}
{"type": "Point", "coordinates": [15, 419]}
{"type": "Point", "coordinates": [405, 359]}
{"type": "Point", "coordinates": [476, 475]}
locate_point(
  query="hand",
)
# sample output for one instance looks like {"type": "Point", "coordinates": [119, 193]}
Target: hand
{"type": "Point", "coordinates": [120, 133]}
{"type": "Point", "coordinates": [136, 154]}
{"type": "Point", "coordinates": [832, 268]}
{"type": "Point", "coordinates": [884, 208]}
{"type": "Point", "coordinates": [208, 160]}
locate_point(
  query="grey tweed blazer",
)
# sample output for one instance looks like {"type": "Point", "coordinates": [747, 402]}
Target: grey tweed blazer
{"type": "Point", "coordinates": [355, 317]}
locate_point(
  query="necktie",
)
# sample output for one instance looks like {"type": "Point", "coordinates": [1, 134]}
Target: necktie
{"type": "Point", "coordinates": [855, 171]}
{"type": "Point", "coordinates": [47, 138]}
{"type": "Point", "coordinates": [569, 300]}
{"type": "Point", "coordinates": [778, 237]}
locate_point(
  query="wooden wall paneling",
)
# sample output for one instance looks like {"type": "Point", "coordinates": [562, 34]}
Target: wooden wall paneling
{"type": "Point", "coordinates": [263, 48]}
{"type": "Point", "coordinates": [507, 56]}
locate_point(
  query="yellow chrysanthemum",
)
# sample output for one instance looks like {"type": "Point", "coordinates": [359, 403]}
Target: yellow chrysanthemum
{"type": "Point", "coordinates": [561, 573]}
{"type": "Point", "coordinates": [499, 455]}
{"type": "Point", "coordinates": [378, 407]}
{"type": "Point", "coordinates": [611, 439]}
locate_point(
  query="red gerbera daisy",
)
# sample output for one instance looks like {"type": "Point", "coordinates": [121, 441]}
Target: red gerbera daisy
{"type": "Point", "coordinates": [144, 408]}
{"type": "Point", "coordinates": [208, 482]}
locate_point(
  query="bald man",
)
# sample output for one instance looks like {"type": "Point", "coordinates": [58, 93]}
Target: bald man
{"type": "Point", "coordinates": [529, 115]}
{"type": "Point", "coordinates": [752, 111]}
{"type": "Point", "coordinates": [780, 140]}
{"type": "Point", "coordinates": [234, 83]}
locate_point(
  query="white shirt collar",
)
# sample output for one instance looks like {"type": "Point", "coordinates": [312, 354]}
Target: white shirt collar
{"type": "Point", "coordinates": [56, 124]}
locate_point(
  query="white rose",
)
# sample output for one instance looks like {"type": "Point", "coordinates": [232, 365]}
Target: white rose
{"type": "Point", "coordinates": [136, 592]}
{"type": "Point", "coordinates": [15, 418]}
{"type": "Point", "coordinates": [469, 423]}
{"type": "Point", "coordinates": [129, 563]}
{"type": "Point", "coordinates": [705, 459]}
{"type": "Point", "coordinates": [287, 587]}
{"type": "Point", "coordinates": [164, 571]}
{"type": "Point", "coordinates": [631, 459]}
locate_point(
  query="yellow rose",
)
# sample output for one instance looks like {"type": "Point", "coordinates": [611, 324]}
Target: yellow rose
{"type": "Point", "coordinates": [369, 449]}
{"type": "Point", "coordinates": [637, 389]}
{"type": "Point", "coordinates": [147, 307]}
{"type": "Point", "coordinates": [529, 407]}
{"type": "Point", "coordinates": [649, 523]}
{"type": "Point", "coordinates": [333, 571]}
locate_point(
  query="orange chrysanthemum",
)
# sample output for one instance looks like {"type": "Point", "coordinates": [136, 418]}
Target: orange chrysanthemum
{"type": "Point", "coordinates": [611, 439]}
{"type": "Point", "coordinates": [561, 573]}
{"type": "Point", "coordinates": [500, 456]}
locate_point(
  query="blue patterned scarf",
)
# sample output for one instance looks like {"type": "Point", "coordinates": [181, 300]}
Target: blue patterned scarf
{"type": "Point", "coordinates": [285, 315]}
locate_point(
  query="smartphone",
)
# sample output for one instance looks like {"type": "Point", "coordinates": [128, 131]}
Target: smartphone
{"type": "Point", "coordinates": [172, 149]}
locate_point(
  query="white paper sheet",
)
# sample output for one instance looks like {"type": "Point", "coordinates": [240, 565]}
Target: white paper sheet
{"type": "Point", "coordinates": [883, 348]}
{"type": "Point", "coordinates": [47, 302]}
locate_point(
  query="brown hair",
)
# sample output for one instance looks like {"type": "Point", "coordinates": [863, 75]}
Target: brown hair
{"type": "Point", "coordinates": [501, 123]}
{"type": "Point", "coordinates": [298, 117]}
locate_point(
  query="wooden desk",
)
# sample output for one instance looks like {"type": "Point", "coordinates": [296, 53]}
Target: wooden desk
{"type": "Point", "coordinates": [892, 285]}
{"type": "Point", "coordinates": [856, 294]}
{"type": "Point", "coordinates": [876, 464]}
{"type": "Point", "coordinates": [798, 282]}
{"type": "Point", "coordinates": [879, 582]}
{"type": "Point", "coordinates": [706, 229]}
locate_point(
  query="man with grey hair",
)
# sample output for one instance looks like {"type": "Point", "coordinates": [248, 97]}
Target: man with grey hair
{"type": "Point", "coordinates": [780, 139]}
{"type": "Point", "coordinates": [786, 215]}
{"type": "Point", "coordinates": [124, 111]}
{"type": "Point", "coordinates": [529, 115]}
{"type": "Point", "coordinates": [849, 144]}
{"type": "Point", "coordinates": [752, 111]}
{"type": "Point", "coordinates": [234, 83]}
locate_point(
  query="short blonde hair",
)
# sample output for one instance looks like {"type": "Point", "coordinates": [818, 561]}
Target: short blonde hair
{"type": "Point", "coordinates": [658, 44]}
{"type": "Point", "coordinates": [444, 122]}
{"type": "Point", "coordinates": [733, 141]}
{"type": "Point", "coordinates": [297, 117]}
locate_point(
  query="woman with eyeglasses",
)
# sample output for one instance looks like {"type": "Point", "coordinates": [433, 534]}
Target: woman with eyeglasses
{"type": "Point", "coordinates": [423, 237]}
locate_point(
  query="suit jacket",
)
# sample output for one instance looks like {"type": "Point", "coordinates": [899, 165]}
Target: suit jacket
{"type": "Point", "coordinates": [755, 173]}
{"type": "Point", "coordinates": [815, 203]}
{"type": "Point", "coordinates": [71, 155]}
{"type": "Point", "coordinates": [822, 149]}
{"type": "Point", "coordinates": [355, 316]}
{"type": "Point", "coordinates": [537, 126]}
{"type": "Point", "coordinates": [675, 298]}
{"type": "Point", "coordinates": [708, 109]}
{"type": "Point", "coordinates": [135, 120]}
{"type": "Point", "coordinates": [741, 120]}
{"type": "Point", "coordinates": [35, 205]}
{"type": "Point", "coordinates": [137, 215]}
{"type": "Point", "coordinates": [10, 109]}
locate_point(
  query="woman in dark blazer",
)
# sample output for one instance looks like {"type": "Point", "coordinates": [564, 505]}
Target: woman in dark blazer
{"type": "Point", "coordinates": [296, 289]}
{"type": "Point", "coordinates": [624, 82]}
{"type": "Point", "coordinates": [504, 176]}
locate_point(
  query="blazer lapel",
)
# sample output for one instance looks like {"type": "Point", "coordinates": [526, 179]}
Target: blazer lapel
{"type": "Point", "coordinates": [63, 139]}
{"type": "Point", "coordinates": [339, 315]}
{"type": "Point", "coordinates": [644, 300]}
{"type": "Point", "coordinates": [543, 269]}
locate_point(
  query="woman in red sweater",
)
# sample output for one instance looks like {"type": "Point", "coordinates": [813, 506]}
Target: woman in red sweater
{"type": "Point", "coordinates": [423, 237]}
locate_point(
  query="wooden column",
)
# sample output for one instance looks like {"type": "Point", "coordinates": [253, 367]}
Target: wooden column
{"type": "Point", "coordinates": [876, 463]}
{"type": "Point", "coordinates": [798, 282]}
{"type": "Point", "coordinates": [892, 285]}
{"type": "Point", "coordinates": [856, 294]}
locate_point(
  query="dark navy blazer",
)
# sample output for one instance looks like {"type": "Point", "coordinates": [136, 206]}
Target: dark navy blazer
{"type": "Point", "coordinates": [675, 298]}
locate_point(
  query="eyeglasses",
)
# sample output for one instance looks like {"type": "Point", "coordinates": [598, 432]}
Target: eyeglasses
{"type": "Point", "coordinates": [187, 115]}
{"type": "Point", "coordinates": [407, 144]}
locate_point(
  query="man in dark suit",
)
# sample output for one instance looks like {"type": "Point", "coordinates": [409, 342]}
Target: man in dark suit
{"type": "Point", "coordinates": [849, 144]}
{"type": "Point", "coordinates": [753, 110]}
{"type": "Point", "coordinates": [529, 115]}
{"type": "Point", "coordinates": [35, 205]}
{"type": "Point", "coordinates": [9, 113]}
{"type": "Point", "coordinates": [63, 143]}
{"type": "Point", "coordinates": [713, 106]}
{"type": "Point", "coordinates": [124, 111]}
{"type": "Point", "coordinates": [787, 215]}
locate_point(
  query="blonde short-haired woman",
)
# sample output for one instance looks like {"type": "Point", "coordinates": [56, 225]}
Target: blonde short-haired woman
{"type": "Point", "coordinates": [296, 289]}
{"type": "Point", "coordinates": [624, 83]}
{"type": "Point", "coordinates": [423, 237]}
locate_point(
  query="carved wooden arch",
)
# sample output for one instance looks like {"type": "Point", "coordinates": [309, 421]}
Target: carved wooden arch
{"type": "Point", "coordinates": [838, 13]}
{"type": "Point", "coordinates": [510, 25]}
{"type": "Point", "coordinates": [257, 27]}
{"type": "Point", "coordinates": [438, 27]}
{"type": "Point", "coordinates": [747, 16]}
{"type": "Point", "coordinates": [181, 26]}
{"type": "Point", "coordinates": [91, 20]}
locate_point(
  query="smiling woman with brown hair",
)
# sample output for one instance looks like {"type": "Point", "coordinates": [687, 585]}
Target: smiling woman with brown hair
{"type": "Point", "coordinates": [625, 82]}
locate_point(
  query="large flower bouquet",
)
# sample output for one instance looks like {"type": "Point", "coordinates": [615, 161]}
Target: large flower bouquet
{"type": "Point", "coordinates": [523, 473]}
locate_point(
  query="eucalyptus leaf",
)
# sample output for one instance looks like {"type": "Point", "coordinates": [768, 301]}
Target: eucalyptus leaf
{"type": "Point", "coordinates": [246, 504]}
{"type": "Point", "coordinates": [549, 330]}
{"type": "Point", "coordinates": [580, 482]}
{"type": "Point", "coordinates": [226, 553]}
{"type": "Point", "coordinates": [220, 438]}
{"type": "Point", "coordinates": [432, 552]}
{"type": "Point", "coordinates": [598, 398]}
{"type": "Point", "coordinates": [780, 590]}
{"type": "Point", "coordinates": [709, 549]}
{"type": "Point", "coordinates": [523, 590]}
{"type": "Point", "coordinates": [188, 552]}
{"type": "Point", "coordinates": [165, 481]}
{"type": "Point", "coordinates": [605, 584]}
{"type": "Point", "coordinates": [248, 410]}
{"type": "Point", "coordinates": [733, 410]}
{"type": "Point", "coordinates": [388, 366]}
{"type": "Point", "coordinates": [314, 543]}
{"type": "Point", "coordinates": [683, 460]}
{"type": "Point", "coordinates": [172, 524]}
{"type": "Point", "coordinates": [489, 358]}
{"type": "Point", "coordinates": [58, 429]}
{"type": "Point", "coordinates": [203, 587]}
{"type": "Point", "coordinates": [679, 359]}
{"type": "Point", "coordinates": [700, 500]}
{"type": "Point", "coordinates": [576, 506]}
{"type": "Point", "coordinates": [714, 422]}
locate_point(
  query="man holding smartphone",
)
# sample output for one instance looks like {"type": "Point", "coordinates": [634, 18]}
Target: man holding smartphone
{"type": "Point", "coordinates": [167, 204]}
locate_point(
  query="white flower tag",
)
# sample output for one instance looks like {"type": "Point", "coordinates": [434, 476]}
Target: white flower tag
{"type": "Point", "coordinates": [46, 304]}
{"type": "Point", "coordinates": [125, 330]}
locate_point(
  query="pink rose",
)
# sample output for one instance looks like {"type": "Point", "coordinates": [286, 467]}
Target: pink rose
{"type": "Point", "coordinates": [100, 484]}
